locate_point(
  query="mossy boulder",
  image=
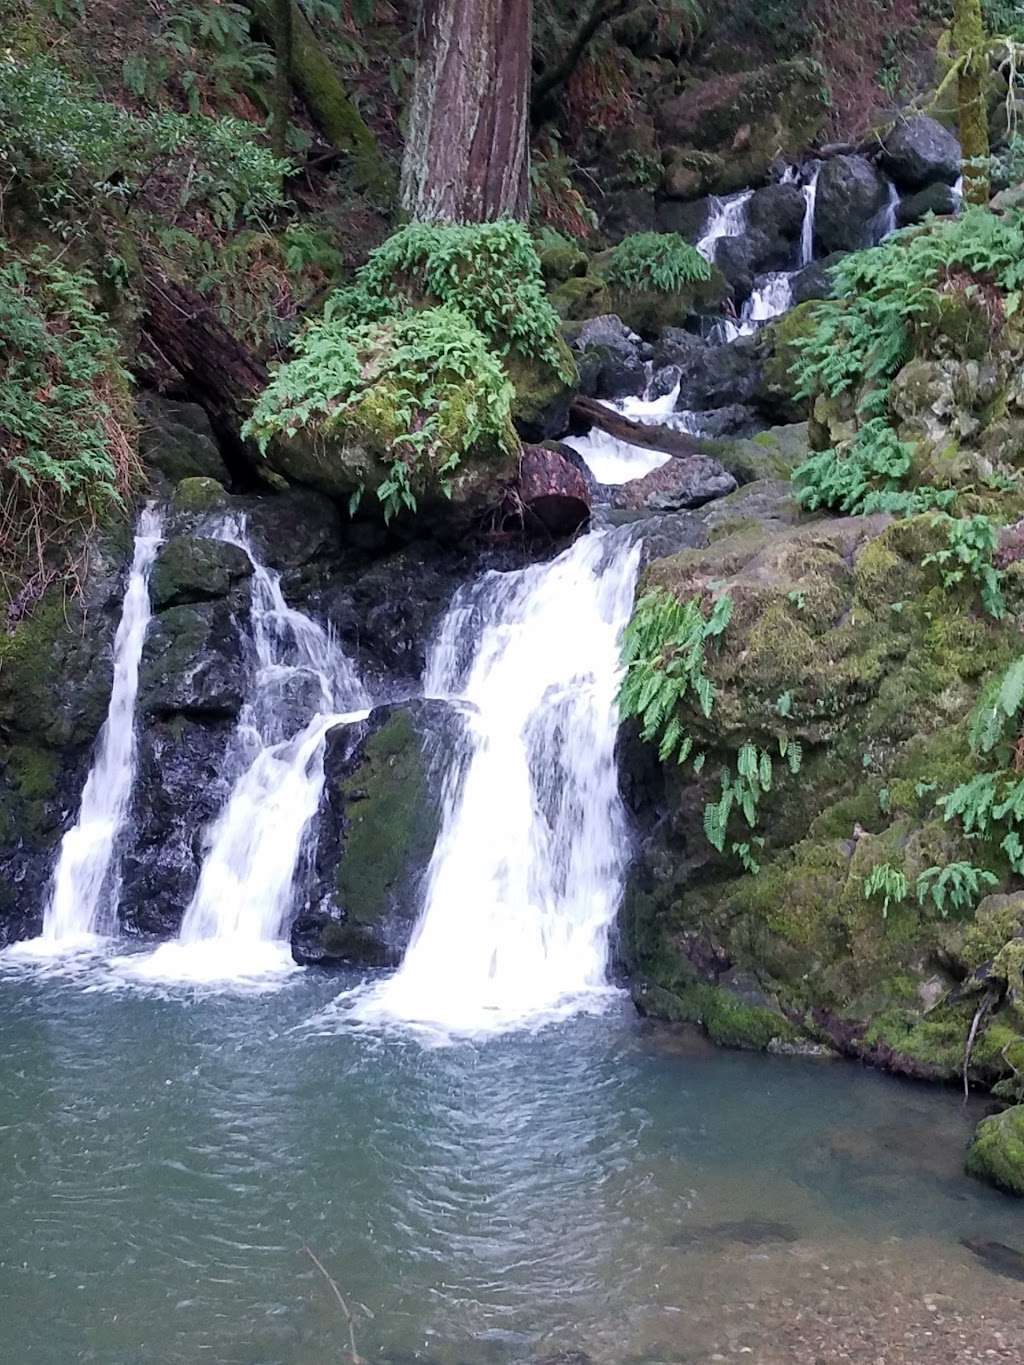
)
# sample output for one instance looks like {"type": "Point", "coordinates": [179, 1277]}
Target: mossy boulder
{"type": "Point", "coordinates": [649, 311]}
{"type": "Point", "coordinates": [196, 569]}
{"type": "Point", "coordinates": [997, 1152]}
{"type": "Point", "coordinates": [540, 408]}
{"type": "Point", "coordinates": [379, 824]}
{"type": "Point", "coordinates": [176, 441]}
{"type": "Point", "coordinates": [842, 644]}
{"type": "Point", "coordinates": [193, 662]}
{"type": "Point", "coordinates": [199, 496]}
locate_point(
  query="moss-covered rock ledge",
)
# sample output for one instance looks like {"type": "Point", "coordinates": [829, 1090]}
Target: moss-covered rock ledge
{"type": "Point", "coordinates": [846, 675]}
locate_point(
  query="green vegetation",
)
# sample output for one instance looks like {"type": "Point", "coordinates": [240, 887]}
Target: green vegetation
{"type": "Point", "coordinates": [68, 441]}
{"type": "Point", "coordinates": [970, 545]}
{"type": "Point", "coordinates": [422, 388]}
{"type": "Point", "coordinates": [662, 261]}
{"type": "Point", "coordinates": [888, 884]}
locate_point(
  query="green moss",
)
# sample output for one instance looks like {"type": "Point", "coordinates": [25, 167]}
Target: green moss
{"type": "Point", "coordinates": [199, 496]}
{"type": "Point", "coordinates": [392, 821]}
{"type": "Point", "coordinates": [726, 1020]}
{"type": "Point", "coordinates": [997, 1152]}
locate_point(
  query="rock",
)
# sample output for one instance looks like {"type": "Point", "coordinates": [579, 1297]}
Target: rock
{"type": "Point", "coordinates": [920, 150]}
{"type": "Point", "coordinates": [199, 497]}
{"type": "Point", "coordinates": [580, 297]}
{"type": "Point", "coordinates": [680, 483]}
{"type": "Point", "coordinates": [1008, 199]}
{"type": "Point", "coordinates": [940, 199]}
{"type": "Point", "coordinates": [766, 503]}
{"type": "Point", "coordinates": [626, 211]}
{"type": "Point", "coordinates": [290, 530]}
{"type": "Point", "coordinates": [778, 212]}
{"type": "Point", "coordinates": [176, 441]}
{"type": "Point", "coordinates": [997, 1256]}
{"type": "Point", "coordinates": [183, 777]}
{"type": "Point", "coordinates": [748, 119]}
{"type": "Point", "coordinates": [709, 376]}
{"type": "Point", "coordinates": [194, 569]}
{"type": "Point", "coordinates": [850, 194]}
{"type": "Point", "coordinates": [552, 490]}
{"type": "Point", "coordinates": [379, 822]}
{"type": "Point", "coordinates": [192, 662]}
{"type": "Point", "coordinates": [608, 354]}
{"type": "Point", "coordinates": [560, 261]}
{"type": "Point", "coordinates": [814, 281]}
{"type": "Point", "coordinates": [540, 409]}
{"type": "Point", "coordinates": [732, 420]}
{"type": "Point", "coordinates": [997, 1155]}
{"type": "Point", "coordinates": [751, 1232]}
{"type": "Point", "coordinates": [688, 219]}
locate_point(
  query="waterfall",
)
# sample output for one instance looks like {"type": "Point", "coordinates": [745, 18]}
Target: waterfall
{"type": "Point", "coordinates": [727, 218]}
{"type": "Point", "coordinates": [810, 193]}
{"type": "Point", "coordinates": [886, 220]}
{"type": "Point", "coordinates": [612, 461]}
{"type": "Point", "coordinates": [84, 890]}
{"type": "Point", "coordinates": [772, 296]}
{"type": "Point", "coordinates": [526, 876]}
{"type": "Point", "coordinates": [233, 925]}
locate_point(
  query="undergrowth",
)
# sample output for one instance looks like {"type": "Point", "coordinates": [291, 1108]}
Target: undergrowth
{"type": "Point", "coordinates": [660, 261]}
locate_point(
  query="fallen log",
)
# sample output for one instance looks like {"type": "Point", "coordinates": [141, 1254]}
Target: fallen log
{"type": "Point", "coordinates": [648, 437]}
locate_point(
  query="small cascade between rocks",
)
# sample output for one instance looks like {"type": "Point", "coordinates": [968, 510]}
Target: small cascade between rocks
{"type": "Point", "coordinates": [772, 296]}
{"type": "Point", "coordinates": [887, 221]}
{"type": "Point", "coordinates": [612, 461]}
{"type": "Point", "coordinates": [233, 925]}
{"type": "Point", "coordinates": [526, 876]}
{"type": "Point", "coordinates": [728, 218]}
{"type": "Point", "coordinates": [84, 891]}
{"type": "Point", "coordinates": [810, 192]}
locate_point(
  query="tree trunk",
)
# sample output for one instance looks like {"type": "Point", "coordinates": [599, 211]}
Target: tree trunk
{"type": "Point", "coordinates": [969, 50]}
{"type": "Point", "coordinates": [280, 115]}
{"type": "Point", "coordinates": [467, 154]}
{"type": "Point", "coordinates": [316, 80]}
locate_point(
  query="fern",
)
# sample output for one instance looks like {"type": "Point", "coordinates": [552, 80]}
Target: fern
{"type": "Point", "coordinates": [970, 544]}
{"type": "Point", "coordinates": [889, 884]}
{"type": "Point", "coordinates": [661, 261]}
{"type": "Point", "coordinates": [962, 883]}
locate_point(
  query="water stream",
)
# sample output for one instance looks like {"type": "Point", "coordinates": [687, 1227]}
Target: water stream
{"type": "Point", "coordinates": [728, 218]}
{"type": "Point", "coordinates": [82, 902]}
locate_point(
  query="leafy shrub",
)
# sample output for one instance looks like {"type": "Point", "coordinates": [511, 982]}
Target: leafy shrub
{"type": "Point", "coordinates": [201, 47]}
{"type": "Point", "coordinates": [423, 389]}
{"type": "Point", "coordinates": [660, 261]}
{"type": "Point", "coordinates": [873, 465]}
{"type": "Point", "coordinates": [961, 883]}
{"type": "Point", "coordinates": [488, 272]}
{"type": "Point", "coordinates": [79, 154]}
{"type": "Point", "coordinates": [65, 432]}
{"type": "Point", "coordinates": [663, 650]}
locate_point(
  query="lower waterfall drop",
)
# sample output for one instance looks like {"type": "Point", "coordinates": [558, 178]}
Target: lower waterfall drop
{"type": "Point", "coordinates": [83, 894]}
{"type": "Point", "coordinates": [233, 925]}
{"type": "Point", "coordinates": [526, 876]}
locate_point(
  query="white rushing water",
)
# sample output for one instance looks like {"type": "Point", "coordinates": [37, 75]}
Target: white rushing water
{"type": "Point", "coordinates": [82, 902]}
{"type": "Point", "coordinates": [772, 296]}
{"type": "Point", "coordinates": [526, 876]}
{"type": "Point", "coordinates": [612, 461]}
{"type": "Point", "coordinates": [810, 193]}
{"type": "Point", "coordinates": [233, 926]}
{"type": "Point", "coordinates": [728, 218]}
{"type": "Point", "coordinates": [887, 219]}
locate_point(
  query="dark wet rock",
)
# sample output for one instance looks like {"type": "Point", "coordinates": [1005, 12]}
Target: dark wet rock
{"type": "Point", "coordinates": [751, 1232]}
{"type": "Point", "coordinates": [997, 1152]}
{"type": "Point", "coordinates": [609, 357]}
{"type": "Point", "coordinates": [777, 211]}
{"type": "Point", "coordinates": [664, 534]}
{"type": "Point", "coordinates": [176, 441]}
{"type": "Point", "coordinates": [733, 420]}
{"type": "Point", "coordinates": [919, 151]}
{"type": "Point", "coordinates": [688, 219]}
{"type": "Point", "coordinates": [192, 662]}
{"type": "Point", "coordinates": [775, 217]}
{"type": "Point", "coordinates": [850, 194]}
{"type": "Point", "coordinates": [940, 199]}
{"type": "Point", "coordinates": [814, 281]}
{"type": "Point", "coordinates": [183, 777]}
{"type": "Point", "coordinates": [289, 530]}
{"type": "Point", "coordinates": [682, 482]}
{"type": "Point", "coordinates": [379, 822]}
{"type": "Point", "coordinates": [195, 569]}
{"type": "Point", "coordinates": [626, 211]}
{"type": "Point", "coordinates": [710, 376]}
{"type": "Point", "coordinates": [997, 1257]}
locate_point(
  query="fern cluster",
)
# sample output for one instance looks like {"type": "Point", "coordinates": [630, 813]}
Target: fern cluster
{"type": "Point", "coordinates": [992, 801]}
{"type": "Point", "coordinates": [659, 261]}
{"type": "Point", "coordinates": [663, 651]}
{"type": "Point", "coordinates": [488, 272]}
{"type": "Point", "coordinates": [957, 886]}
{"type": "Point", "coordinates": [423, 389]}
{"type": "Point", "coordinates": [863, 336]}
{"type": "Point", "coordinates": [81, 155]}
{"type": "Point", "coordinates": [970, 544]}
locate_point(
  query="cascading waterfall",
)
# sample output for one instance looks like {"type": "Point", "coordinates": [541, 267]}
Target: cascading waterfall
{"type": "Point", "coordinates": [810, 193]}
{"type": "Point", "coordinates": [526, 876]}
{"type": "Point", "coordinates": [728, 218]}
{"type": "Point", "coordinates": [232, 927]}
{"type": "Point", "coordinates": [612, 461]}
{"type": "Point", "coordinates": [771, 297]}
{"type": "Point", "coordinates": [83, 894]}
{"type": "Point", "coordinates": [887, 221]}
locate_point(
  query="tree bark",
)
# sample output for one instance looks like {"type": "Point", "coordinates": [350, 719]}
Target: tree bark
{"type": "Point", "coordinates": [969, 51]}
{"type": "Point", "coordinates": [188, 344]}
{"type": "Point", "coordinates": [467, 153]}
{"type": "Point", "coordinates": [280, 116]}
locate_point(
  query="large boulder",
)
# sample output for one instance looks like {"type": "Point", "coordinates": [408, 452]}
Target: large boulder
{"type": "Point", "coordinates": [608, 355]}
{"type": "Point", "coordinates": [918, 151]}
{"type": "Point", "coordinates": [193, 662]}
{"type": "Point", "coordinates": [997, 1152]}
{"type": "Point", "coordinates": [680, 483]}
{"type": "Point", "coordinates": [379, 822]}
{"type": "Point", "coordinates": [195, 569]}
{"type": "Point", "coordinates": [176, 441]}
{"type": "Point", "coordinates": [710, 376]}
{"type": "Point", "coordinates": [851, 192]}
{"type": "Point", "coordinates": [938, 198]}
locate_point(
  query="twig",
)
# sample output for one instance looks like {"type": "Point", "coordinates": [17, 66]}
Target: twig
{"type": "Point", "coordinates": [349, 1317]}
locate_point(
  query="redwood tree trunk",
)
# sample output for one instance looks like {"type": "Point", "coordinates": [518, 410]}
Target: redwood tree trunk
{"type": "Point", "coordinates": [467, 154]}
